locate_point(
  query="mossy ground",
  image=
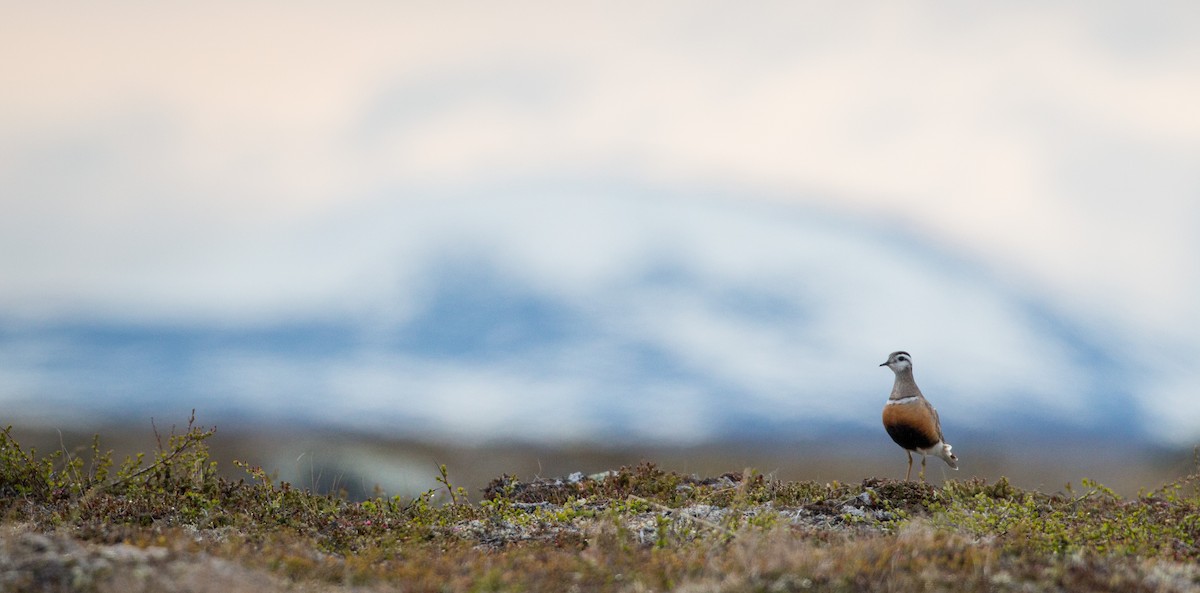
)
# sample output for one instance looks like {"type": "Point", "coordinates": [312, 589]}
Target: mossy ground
{"type": "Point", "coordinates": [169, 521]}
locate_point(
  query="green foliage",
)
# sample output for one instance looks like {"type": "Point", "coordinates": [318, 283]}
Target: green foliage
{"type": "Point", "coordinates": [457, 494]}
{"type": "Point", "coordinates": [179, 467]}
{"type": "Point", "coordinates": [1097, 521]}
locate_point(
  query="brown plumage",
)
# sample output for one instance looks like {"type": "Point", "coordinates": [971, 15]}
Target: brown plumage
{"type": "Point", "coordinates": [913, 425]}
{"type": "Point", "coordinates": [910, 419]}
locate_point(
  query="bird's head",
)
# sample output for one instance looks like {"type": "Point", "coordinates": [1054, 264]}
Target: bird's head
{"type": "Point", "coordinates": [898, 361]}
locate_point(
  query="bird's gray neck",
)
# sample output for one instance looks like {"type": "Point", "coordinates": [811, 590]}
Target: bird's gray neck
{"type": "Point", "coordinates": [905, 386]}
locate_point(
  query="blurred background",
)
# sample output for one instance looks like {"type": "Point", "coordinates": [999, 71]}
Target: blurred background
{"type": "Point", "coordinates": [541, 237]}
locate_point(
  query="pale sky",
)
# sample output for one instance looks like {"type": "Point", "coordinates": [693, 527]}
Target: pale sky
{"type": "Point", "coordinates": [152, 155]}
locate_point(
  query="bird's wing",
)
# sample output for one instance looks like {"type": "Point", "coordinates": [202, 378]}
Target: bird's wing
{"type": "Point", "coordinates": [937, 422]}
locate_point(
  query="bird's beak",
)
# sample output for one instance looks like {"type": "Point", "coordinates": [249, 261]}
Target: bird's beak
{"type": "Point", "coordinates": [883, 364]}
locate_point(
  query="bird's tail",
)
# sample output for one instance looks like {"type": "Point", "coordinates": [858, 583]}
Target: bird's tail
{"type": "Point", "coordinates": [949, 456]}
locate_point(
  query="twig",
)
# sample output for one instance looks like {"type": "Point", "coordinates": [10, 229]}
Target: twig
{"type": "Point", "coordinates": [157, 464]}
{"type": "Point", "coordinates": [67, 456]}
{"type": "Point", "coordinates": [190, 439]}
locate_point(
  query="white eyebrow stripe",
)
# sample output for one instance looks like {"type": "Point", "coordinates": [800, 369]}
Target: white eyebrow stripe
{"type": "Point", "coordinates": [903, 400]}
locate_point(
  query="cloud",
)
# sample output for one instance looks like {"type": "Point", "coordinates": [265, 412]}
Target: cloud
{"type": "Point", "coordinates": [180, 131]}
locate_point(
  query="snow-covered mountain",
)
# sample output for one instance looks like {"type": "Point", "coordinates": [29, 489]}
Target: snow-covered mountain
{"type": "Point", "coordinates": [618, 313]}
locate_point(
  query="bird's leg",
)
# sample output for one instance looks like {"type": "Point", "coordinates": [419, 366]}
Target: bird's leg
{"type": "Point", "coordinates": [922, 475]}
{"type": "Point", "coordinates": [908, 474]}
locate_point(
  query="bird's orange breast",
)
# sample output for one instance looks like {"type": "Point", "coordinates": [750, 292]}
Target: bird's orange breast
{"type": "Point", "coordinates": [911, 425]}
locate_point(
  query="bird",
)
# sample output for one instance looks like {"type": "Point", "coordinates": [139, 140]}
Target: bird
{"type": "Point", "coordinates": [910, 419]}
